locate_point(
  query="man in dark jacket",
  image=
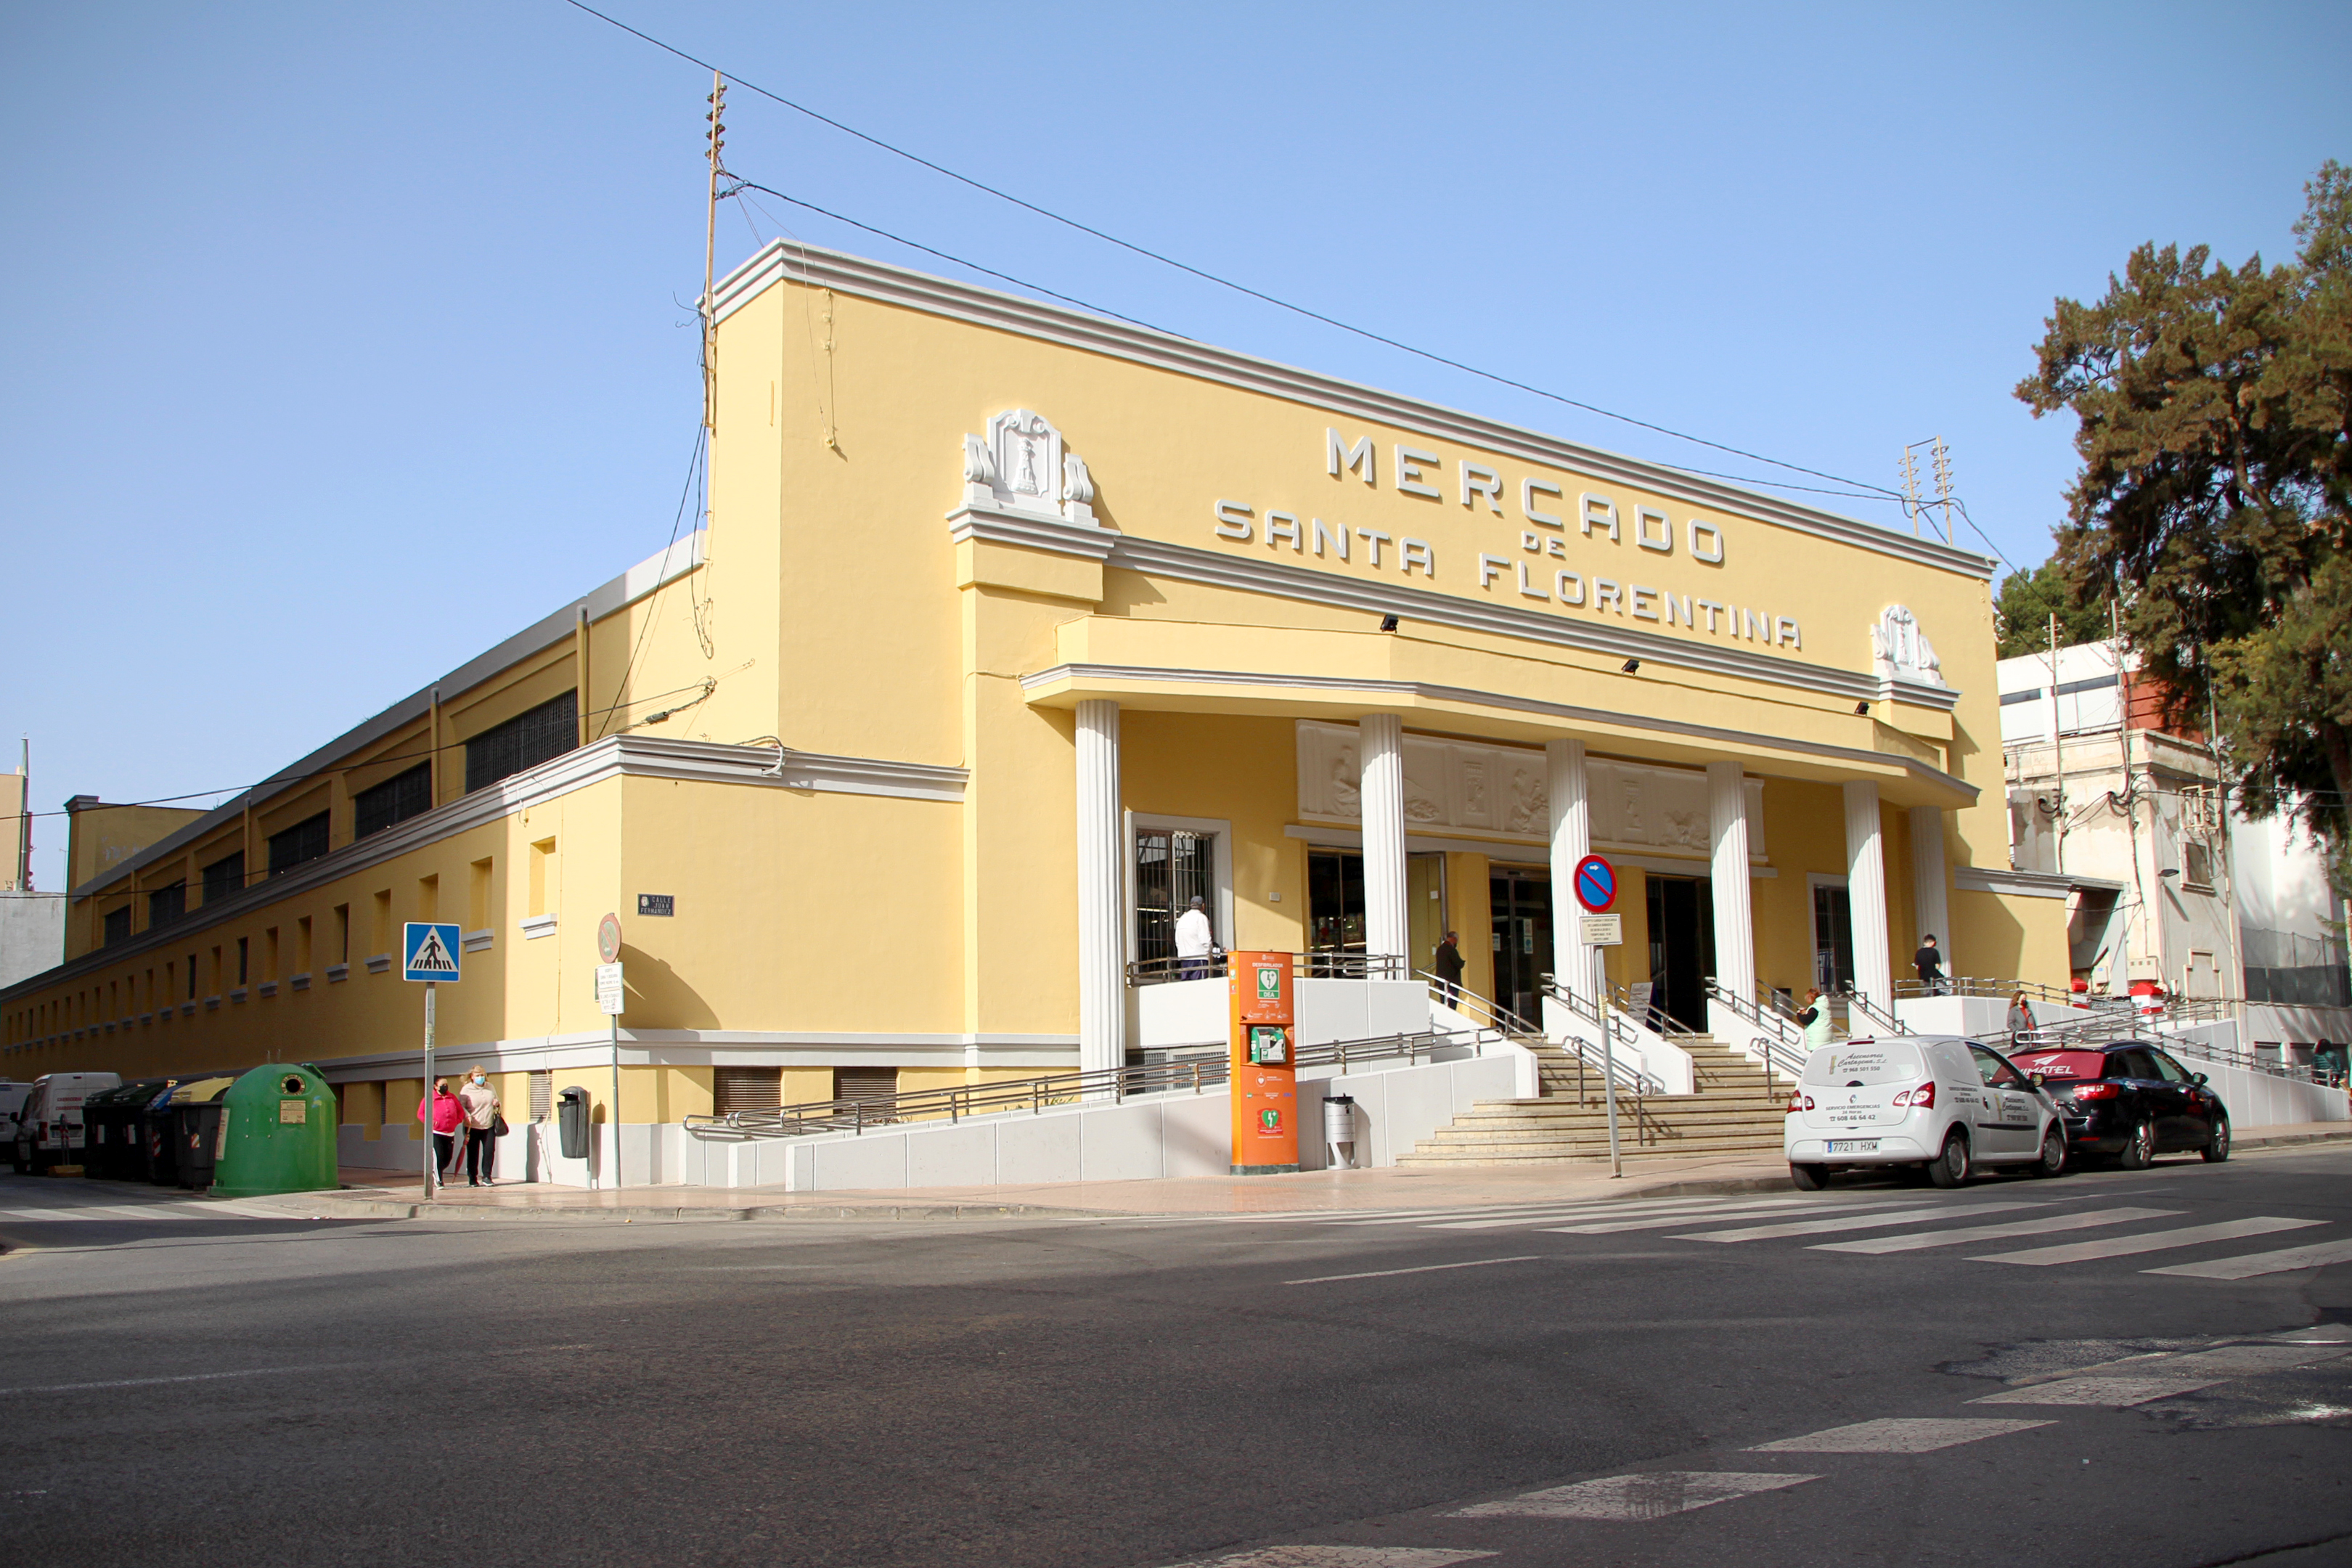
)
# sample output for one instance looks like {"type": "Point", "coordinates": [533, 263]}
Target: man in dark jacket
{"type": "Point", "coordinates": [1449, 967]}
{"type": "Point", "coordinates": [1929, 961]}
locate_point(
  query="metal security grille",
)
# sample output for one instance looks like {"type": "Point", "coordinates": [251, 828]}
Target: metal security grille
{"type": "Point", "coordinates": [224, 877]}
{"type": "Point", "coordinates": [306, 840]}
{"type": "Point", "coordinates": [118, 926]}
{"type": "Point", "coordinates": [397, 799]}
{"type": "Point", "coordinates": [1172, 867]}
{"type": "Point", "coordinates": [866, 1084]}
{"type": "Point", "coordinates": [165, 905]}
{"type": "Point", "coordinates": [746, 1089]}
{"type": "Point", "coordinates": [542, 1096]}
{"type": "Point", "coordinates": [523, 742]}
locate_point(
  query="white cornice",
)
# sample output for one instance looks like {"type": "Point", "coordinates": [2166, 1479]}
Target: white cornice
{"type": "Point", "coordinates": [1390, 693]}
{"type": "Point", "coordinates": [848, 274]}
{"type": "Point", "coordinates": [620, 593]}
{"type": "Point", "coordinates": [616, 756]}
{"type": "Point", "coordinates": [1031, 530]}
{"type": "Point", "coordinates": [2021, 884]}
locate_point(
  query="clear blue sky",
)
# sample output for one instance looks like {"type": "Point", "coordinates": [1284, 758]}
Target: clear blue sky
{"type": "Point", "coordinates": [343, 341]}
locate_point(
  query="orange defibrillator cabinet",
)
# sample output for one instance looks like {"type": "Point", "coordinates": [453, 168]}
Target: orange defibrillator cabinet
{"type": "Point", "coordinates": [1264, 1064]}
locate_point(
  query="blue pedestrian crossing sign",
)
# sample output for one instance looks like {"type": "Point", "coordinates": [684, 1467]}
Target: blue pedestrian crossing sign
{"type": "Point", "coordinates": [429, 951]}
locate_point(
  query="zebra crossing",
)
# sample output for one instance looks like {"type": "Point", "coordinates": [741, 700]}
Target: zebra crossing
{"type": "Point", "coordinates": [1965, 1223]}
{"type": "Point", "coordinates": [79, 1210]}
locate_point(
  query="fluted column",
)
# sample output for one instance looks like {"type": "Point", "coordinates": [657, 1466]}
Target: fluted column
{"type": "Point", "coordinates": [1102, 979]}
{"type": "Point", "coordinates": [1571, 841]}
{"type": "Point", "coordinates": [1866, 892]}
{"type": "Point", "coordinates": [1387, 932]}
{"type": "Point", "coordinates": [1734, 921]}
{"type": "Point", "coordinates": [1927, 878]}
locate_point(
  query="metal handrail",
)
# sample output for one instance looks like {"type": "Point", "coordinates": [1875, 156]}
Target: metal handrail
{"type": "Point", "coordinates": [1857, 1003]}
{"type": "Point", "coordinates": [1623, 1036]}
{"type": "Point", "coordinates": [1782, 1046]}
{"type": "Point", "coordinates": [1330, 964]}
{"type": "Point", "coordinates": [953, 1102]}
{"type": "Point", "coordinates": [1667, 1026]}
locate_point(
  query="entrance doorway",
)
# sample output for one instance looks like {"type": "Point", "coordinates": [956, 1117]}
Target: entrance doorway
{"type": "Point", "coordinates": [1832, 939]}
{"type": "Point", "coordinates": [1521, 900]}
{"type": "Point", "coordinates": [1682, 948]}
{"type": "Point", "coordinates": [1335, 911]}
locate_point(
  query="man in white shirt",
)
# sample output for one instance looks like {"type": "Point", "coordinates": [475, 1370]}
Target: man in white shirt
{"type": "Point", "coordinates": [1193, 942]}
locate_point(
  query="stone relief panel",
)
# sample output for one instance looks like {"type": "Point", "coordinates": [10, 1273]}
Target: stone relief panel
{"type": "Point", "coordinates": [1466, 787]}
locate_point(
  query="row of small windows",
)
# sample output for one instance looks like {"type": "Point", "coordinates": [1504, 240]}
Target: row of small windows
{"type": "Point", "coordinates": [537, 735]}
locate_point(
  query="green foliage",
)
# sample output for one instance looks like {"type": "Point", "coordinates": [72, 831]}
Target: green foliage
{"type": "Point", "coordinates": [2028, 600]}
{"type": "Point", "coordinates": [2214, 499]}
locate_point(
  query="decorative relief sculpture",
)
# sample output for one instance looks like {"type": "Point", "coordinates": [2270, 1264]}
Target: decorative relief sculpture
{"type": "Point", "coordinates": [1021, 465]}
{"type": "Point", "coordinates": [1901, 650]}
{"type": "Point", "coordinates": [1505, 791]}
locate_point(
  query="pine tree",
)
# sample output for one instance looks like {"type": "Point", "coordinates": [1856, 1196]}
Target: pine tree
{"type": "Point", "coordinates": [2028, 600]}
{"type": "Point", "coordinates": [2215, 501]}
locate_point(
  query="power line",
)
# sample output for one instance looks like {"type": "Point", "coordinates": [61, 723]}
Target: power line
{"type": "Point", "coordinates": [1870, 490]}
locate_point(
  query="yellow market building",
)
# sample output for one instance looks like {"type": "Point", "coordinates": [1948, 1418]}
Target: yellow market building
{"type": "Point", "coordinates": [1013, 628]}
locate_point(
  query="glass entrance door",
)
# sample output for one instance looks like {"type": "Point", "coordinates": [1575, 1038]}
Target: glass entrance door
{"type": "Point", "coordinates": [1521, 907]}
{"type": "Point", "coordinates": [1682, 948]}
{"type": "Point", "coordinates": [1833, 940]}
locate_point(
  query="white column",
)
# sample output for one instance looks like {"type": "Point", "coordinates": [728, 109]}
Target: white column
{"type": "Point", "coordinates": [1866, 892]}
{"type": "Point", "coordinates": [1387, 932]}
{"type": "Point", "coordinates": [1571, 841]}
{"type": "Point", "coordinates": [1102, 977]}
{"type": "Point", "coordinates": [1734, 923]}
{"type": "Point", "coordinates": [1927, 878]}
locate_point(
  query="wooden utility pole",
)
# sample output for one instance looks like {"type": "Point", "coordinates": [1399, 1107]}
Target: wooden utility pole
{"type": "Point", "coordinates": [711, 256]}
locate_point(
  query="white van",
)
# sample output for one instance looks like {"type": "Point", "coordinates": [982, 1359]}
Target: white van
{"type": "Point", "coordinates": [1937, 1101]}
{"type": "Point", "coordinates": [48, 1126]}
{"type": "Point", "coordinates": [12, 1099]}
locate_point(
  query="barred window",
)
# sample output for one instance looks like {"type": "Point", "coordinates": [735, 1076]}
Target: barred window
{"type": "Point", "coordinates": [165, 905]}
{"type": "Point", "coordinates": [223, 877]}
{"type": "Point", "coordinates": [306, 840]}
{"type": "Point", "coordinates": [523, 742]}
{"type": "Point", "coordinates": [397, 799]}
{"type": "Point", "coordinates": [747, 1089]}
{"type": "Point", "coordinates": [118, 926]}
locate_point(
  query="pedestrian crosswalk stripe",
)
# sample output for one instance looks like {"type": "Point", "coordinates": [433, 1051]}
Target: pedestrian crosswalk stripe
{"type": "Point", "coordinates": [1897, 1436]}
{"type": "Point", "coordinates": [2117, 1392]}
{"type": "Point", "coordinates": [1653, 1494]}
{"type": "Point", "coordinates": [1853, 1222]}
{"type": "Point", "coordinates": [2255, 1264]}
{"type": "Point", "coordinates": [1341, 1557]}
{"type": "Point", "coordinates": [2147, 1241]}
{"type": "Point", "coordinates": [1663, 1222]}
{"type": "Point", "coordinates": [2042, 1227]}
{"type": "Point", "coordinates": [1662, 1213]}
{"type": "Point", "coordinates": [2246, 1361]}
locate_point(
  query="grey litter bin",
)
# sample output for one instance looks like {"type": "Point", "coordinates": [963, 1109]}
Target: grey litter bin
{"type": "Point", "coordinates": [1340, 1130]}
{"type": "Point", "coordinates": [571, 1123]}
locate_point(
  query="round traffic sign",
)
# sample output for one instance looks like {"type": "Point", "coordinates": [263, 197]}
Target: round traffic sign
{"type": "Point", "coordinates": [1595, 883]}
{"type": "Point", "coordinates": [608, 939]}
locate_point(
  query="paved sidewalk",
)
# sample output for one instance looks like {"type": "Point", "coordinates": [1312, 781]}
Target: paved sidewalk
{"type": "Point", "coordinates": [370, 1194]}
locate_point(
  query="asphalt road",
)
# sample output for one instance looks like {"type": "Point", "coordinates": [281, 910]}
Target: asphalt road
{"type": "Point", "coordinates": [1524, 1386]}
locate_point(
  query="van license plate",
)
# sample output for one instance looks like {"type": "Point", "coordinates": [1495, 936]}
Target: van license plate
{"type": "Point", "coordinates": [1853, 1145]}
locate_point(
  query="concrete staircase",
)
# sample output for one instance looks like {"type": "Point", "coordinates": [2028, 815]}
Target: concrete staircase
{"type": "Point", "coordinates": [1737, 1111]}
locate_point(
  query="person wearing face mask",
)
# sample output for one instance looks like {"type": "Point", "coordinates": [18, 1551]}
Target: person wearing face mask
{"type": "Point", "coordinates": [483, 1124]}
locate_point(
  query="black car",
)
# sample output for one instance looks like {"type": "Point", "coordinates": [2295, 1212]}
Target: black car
{"type": "Point", "coordinates": [2130, 1099]}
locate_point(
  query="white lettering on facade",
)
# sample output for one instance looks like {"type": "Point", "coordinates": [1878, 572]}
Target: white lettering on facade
{"type": "Point", "coordinates": [1487, 566]}
{"type": "Point", "coordinates": [1282, 525]}
{"type": "Point", "coordinates": [1350, 458]}
{"type": "Point", "coordinates": [1530, 589]}
{"type": "Point", "coordinates": [1713, 553]}
{"type": "Point", "coordinates": [1597, 509]}
{"type": "Point", "coordinates": [1529, 490]}
{"type": "Point", "coordinates": [1637, 599]}
{"type": "Point", "coordinates": [1712, 609]}
{"type": "Point", "coordinates": [1790, 637]}
{"type": "Point", "coordinates": [1338, 537]}
{"type": "Point", "coordinates": [1411, 466]}
{"type": "Point", "coordinates": [1606, 592]}
{"type": "Point", "coordinates": [1373, 538]}
{"type": "Point", "coordinates": [1232, 520]}
{"type": "Point", "coordinates": [1477, 480]}
{"type": "Point", "coordinates": [1663, 541]}
{"type": "Point", "coordinates": [1412, 552]}
{"type": "Point", "coordinates": [1559, 585]}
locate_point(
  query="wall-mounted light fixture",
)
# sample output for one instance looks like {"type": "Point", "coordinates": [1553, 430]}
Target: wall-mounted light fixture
{"type": "Point", "coordinates": [2169, 871]}
{"type": "Point", "coordinates": [1861, 708]}
{"type": "Point", "coordinates": [1388, 623]}
{"type": "Point", "coordinates": [1631, 665]}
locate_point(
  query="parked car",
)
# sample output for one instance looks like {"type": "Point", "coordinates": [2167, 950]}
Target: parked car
{"type": "Point", "coordinates": [1937, 1102]}
{"type": "Point", "coordinates": [12, 1101]}
{"type": "Point", "coordinates": [48, 1128]}
{"type": "Point", "coordinates": [2131, 1100]}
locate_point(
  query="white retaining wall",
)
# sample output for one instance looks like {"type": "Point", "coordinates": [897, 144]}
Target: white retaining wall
{"type": "Point", "coordinates": [1196, 1012]}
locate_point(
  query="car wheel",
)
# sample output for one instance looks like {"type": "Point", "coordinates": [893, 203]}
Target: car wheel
{"type": "Point", "coordinates": [2051, 1162]}
{"type": "Point", "coordinates": [1950, 1168]}
{"type": "Point", "coordinates": [2140, 1151]}
{"type": "Point", "coordinates": [2218, 1149]}
{"type": "Point", "coordinates": [1813, 1178]}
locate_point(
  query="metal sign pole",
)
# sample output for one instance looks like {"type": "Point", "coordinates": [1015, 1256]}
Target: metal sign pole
{"type": "Point", "coordinates": [617, 1101]}
{"type": "Point", "coordinates": [1608, 1060]}
{"type": "Point", "coordinates": [431, 1166]}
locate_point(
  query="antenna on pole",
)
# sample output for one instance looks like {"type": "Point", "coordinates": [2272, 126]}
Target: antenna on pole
{"type": "Point", "coordinates": [1910, 471]}
{"type": "Point", "coordinates": [717, 101]}
{"type": "Point", "coordinates": [1943, 462]}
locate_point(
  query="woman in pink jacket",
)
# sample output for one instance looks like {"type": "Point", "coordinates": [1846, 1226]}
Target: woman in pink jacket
{"type": "Point", "coordinates": [449, 1115]}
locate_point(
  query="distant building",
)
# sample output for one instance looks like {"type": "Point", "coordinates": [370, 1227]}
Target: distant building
{"type": "Point", "coordinates": [32, 925]}
{"type": "Point", "coordinates": [2172, 885]}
